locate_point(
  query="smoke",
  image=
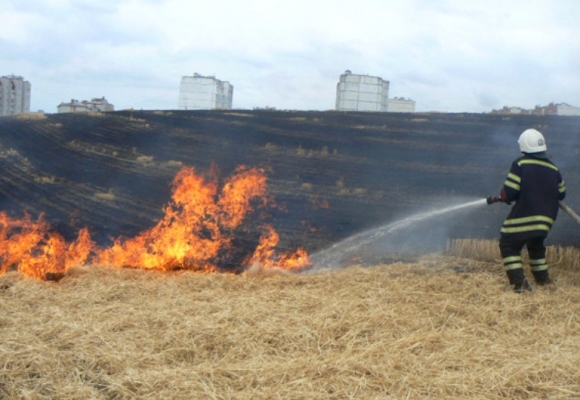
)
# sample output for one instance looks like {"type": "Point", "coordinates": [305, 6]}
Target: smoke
{"type": "Point", "coordinates": [564, 145]}
{"type": "Point", "coordinates": [421, 232]}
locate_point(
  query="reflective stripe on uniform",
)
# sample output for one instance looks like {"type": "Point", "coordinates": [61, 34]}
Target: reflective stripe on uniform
{"type": "Point", "coordinates": [514, 177]}
{"type": "Point", "coordinates": [533, 218]}
{"type": "Point", "coordinates": [511, 184]}
{"type": "Point", "coordinates": [526, 228]}
{"type": "Point", "coordinates": [537, 162]}
{"type": "Point", "coordinates": [538, 265]}
{"type": "Point", "coordinates": [513, 262]}
{"type": "Point", "coordinates": [562, 187]}
{"type": "Point", "coordinates": [513, 181]}
{"type": "Point", "coordinates": [527, 224]}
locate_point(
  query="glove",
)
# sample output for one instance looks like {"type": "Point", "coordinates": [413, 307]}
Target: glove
{"type": "Point", "coordinates": [503, 196]}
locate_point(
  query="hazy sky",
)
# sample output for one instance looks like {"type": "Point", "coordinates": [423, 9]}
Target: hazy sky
{"type": "Point", "coordinates": [447, 55]}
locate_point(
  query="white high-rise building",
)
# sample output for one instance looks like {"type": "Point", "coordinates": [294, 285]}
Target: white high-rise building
{"type": "Point", "coordinates": [200, 92]}
{"type": "Point", "coordinates": [14, 95]}
{"type": "Point", "coordinates": [362, 93]}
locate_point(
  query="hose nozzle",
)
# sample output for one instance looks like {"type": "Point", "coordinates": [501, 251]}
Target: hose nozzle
{"type": "Point", "coordinates": [493, 199]}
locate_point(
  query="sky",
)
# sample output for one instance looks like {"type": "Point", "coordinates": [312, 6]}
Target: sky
{"type": "Point", "coordinates": [446, 55]}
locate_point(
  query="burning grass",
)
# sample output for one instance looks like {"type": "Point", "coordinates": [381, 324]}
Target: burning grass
{"type": "Point", "coordinates": [443, 327]}
{"type": "Point", "coordinates": [200, 225]}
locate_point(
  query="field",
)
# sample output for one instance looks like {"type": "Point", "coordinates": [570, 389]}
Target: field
{"type": "Point", "coordinates": [425, 312]}
{"type": "Point", "coordinates": [440, 327]}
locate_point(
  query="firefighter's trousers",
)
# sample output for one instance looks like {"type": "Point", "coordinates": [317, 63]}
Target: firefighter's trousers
{"type": "Point", "coordinates": [511, 253]}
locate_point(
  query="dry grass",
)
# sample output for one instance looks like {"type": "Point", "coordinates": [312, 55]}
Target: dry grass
{"type": "Point", "coordinates": [109, 195]}
{"type": "Point", "coordinates": [443, 327]}
{"type": "Point", "coordinates": [566, 260]}
{"type": "Point", "coordinates": [31, 116]}
{"type": "Point", "coordinates": [145, 159]}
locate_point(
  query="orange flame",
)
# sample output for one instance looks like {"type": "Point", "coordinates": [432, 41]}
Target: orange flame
{"type": "Point", "coordinates": [197, 229]}
{"type": "Point", "coordinates": [35, 250]}
{"type": "Point", "coordinates": [266, 257]}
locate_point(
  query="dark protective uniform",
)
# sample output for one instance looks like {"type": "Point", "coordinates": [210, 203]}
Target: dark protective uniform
{"type": "Point", "coordinates": [536, 185]}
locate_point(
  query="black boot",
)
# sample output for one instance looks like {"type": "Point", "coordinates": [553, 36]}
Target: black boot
{"type": "Point", "coordinates": [542, 278]}
{"type": "Point", "coordinates": [518, 280]}
{"type": "Point", "coordinates": [522, 287]}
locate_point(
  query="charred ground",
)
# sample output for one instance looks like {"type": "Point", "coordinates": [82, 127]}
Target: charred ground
{"type": "Point", "coordinates": [332, 173]}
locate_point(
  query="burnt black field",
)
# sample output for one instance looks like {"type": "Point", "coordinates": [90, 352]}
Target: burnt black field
{"type": "Point", "coordinates": [332, 174]}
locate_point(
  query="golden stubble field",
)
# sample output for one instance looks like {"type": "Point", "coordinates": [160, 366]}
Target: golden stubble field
{"type": "Point", "coordinates": [440, 327]}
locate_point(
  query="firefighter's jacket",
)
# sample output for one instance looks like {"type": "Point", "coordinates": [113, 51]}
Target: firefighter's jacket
{"type": "Point", "coordinates": [536, 185]}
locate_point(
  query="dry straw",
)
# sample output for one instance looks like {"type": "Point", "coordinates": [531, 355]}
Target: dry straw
{"type": "Point", "coordinates": [444, 327]}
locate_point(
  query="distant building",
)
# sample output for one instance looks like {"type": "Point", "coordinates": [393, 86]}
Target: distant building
{"type": "Point", "coordinates": [510, 110]}
{"type": "Point", "coordinates": [550, 109]}
{"type": "Point", "coordinates": [556, 109]}
{"type": "Point", "coordinates": [401, 104]}
{"type": "Point", "coordinates": [14, 95]}
{"type": "Point", "coordinates": [95, 105]}
{"type": "Point", "coordinates": [200, 92]}
{"type": "Point", "coordinates": [361, 93]}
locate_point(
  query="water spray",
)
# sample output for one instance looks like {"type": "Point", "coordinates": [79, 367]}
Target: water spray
{"type": "Point", "coordinates": [334, 256]}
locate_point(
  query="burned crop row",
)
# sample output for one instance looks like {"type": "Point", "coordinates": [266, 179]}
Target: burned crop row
{"type": "Point", "coordinates": [332, 174]}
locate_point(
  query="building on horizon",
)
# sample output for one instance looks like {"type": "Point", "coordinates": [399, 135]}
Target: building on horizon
{"type": "Point", "coordinates": [200, 92]}
{"type": "Point", "coordinates": [361, 93]}
{"type": "Point", "coordinates": [556, 109]}
{"type": "Point", "coordinates": [14, 95]}
{"type": "Point", "coordinates": [550, 109]}
{"type": "Point", "coordinates": [76, 106]}
{"type": "Point", "coordinates": [402, 105]}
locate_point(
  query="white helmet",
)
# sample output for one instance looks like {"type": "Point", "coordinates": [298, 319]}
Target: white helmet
{"type": "Point", "coordinates": [532, 141]}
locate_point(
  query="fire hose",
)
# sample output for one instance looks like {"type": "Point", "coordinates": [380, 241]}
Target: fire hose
{"type": "Point", "coordinates": [567, 210]}
{"type": "Point", "coordinates": [570, 212]}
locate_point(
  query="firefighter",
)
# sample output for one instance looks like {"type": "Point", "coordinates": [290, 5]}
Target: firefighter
{"type": "Point", "coordinates": [535, 184]}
